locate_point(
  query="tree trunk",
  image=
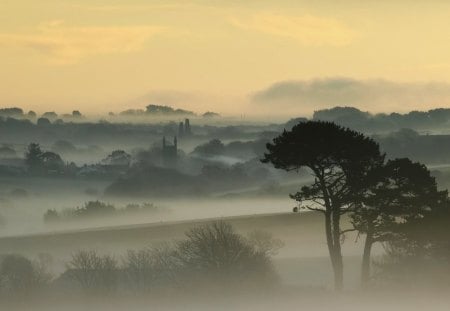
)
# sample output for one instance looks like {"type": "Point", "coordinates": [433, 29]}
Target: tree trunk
{"type": "Point", "coordinates": [332, 231]}
{"type": "Point", "coordinates": [365, 268]}
{"type": "Point", "coordinates": [338, 272]}
{"type": "Point", "coordinates": [333, 235]}
{"type": "Point", "coordinates": [339, 265]}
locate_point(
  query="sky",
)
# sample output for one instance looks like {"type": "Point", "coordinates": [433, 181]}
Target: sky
{"type": "Point", "coordinates": [253, 57]}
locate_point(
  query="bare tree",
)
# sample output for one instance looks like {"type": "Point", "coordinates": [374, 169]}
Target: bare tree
{"type": "Point", "coordinates": [150, 267]}
{"type": "Point", "coordinates": [264, 242]}
{"type": "Point", "coordinates": [217, 251]}
{"type": "Point", "coordinates": [92, 271]}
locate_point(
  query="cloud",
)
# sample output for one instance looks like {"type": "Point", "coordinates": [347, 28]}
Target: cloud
{"type": "Point", "coordinates": [307, 29]}
{"type": "Point", "coordinates": [67, 45]}
{"type": "Point", "coordinates": [372, 95]}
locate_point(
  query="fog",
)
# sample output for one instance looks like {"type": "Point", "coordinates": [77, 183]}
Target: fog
{"type": "Point", "coordinates": [172, 214]}
{"type": "Point", "coordinates": [25, 216]}
{"type": "Point", "coordinates": [293, 299]}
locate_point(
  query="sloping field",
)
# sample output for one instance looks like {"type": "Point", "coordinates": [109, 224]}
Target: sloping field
{"type": "Point", "coordinates": [303, 259]}
{"type": "Point", "coordinates": [296, 229]}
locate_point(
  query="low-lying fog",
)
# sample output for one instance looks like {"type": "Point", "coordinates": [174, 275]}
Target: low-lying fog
{"type": "Point", "coordinates": [24, 214]}
{"type": "Point", "coordinates": [294, 299]}
{"type": "Point", "coordinates": [151, 203]}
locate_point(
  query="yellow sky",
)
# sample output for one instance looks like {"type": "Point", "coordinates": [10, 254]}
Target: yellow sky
{"type": "Point", "coordinates": [100, 56]}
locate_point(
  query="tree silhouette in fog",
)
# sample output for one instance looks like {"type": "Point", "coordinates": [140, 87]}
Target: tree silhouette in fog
{"type": "Point", "coordinates": [339, 160]}
{"type": "Point", "coordinates": [93, 271]}
{"type": "Point", "coordinates": [117, 157]}
{"type": "Point", "coordinates": [40, 162]}
{"type": "Point", "coordinates": [218, 252]}
{"type": "Point", "coordinates": [33, 158]}
{"type": "Point", "coordinates": [212, 255]}
{"type": "Point", "coordinates": [19, 275]}
{"type": "Point", "coordinates": [401, 192]}
{"type": "Point", "coordinates": [419, 254]}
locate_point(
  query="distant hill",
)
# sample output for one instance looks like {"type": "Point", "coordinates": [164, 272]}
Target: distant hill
{"type": "Point", "coordinates": [157, 110]}
{"type": "Point", "coordinates": [364, 121]}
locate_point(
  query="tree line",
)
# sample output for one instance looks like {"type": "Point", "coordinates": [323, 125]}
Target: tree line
{"type": "Point", "coordinates": [212, 255]}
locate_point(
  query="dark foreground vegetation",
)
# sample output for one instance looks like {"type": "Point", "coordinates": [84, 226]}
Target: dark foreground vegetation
{"type": "Point", "coordinates": [395, 202]}
{"type": "Point", "coordinates": [212, 257]}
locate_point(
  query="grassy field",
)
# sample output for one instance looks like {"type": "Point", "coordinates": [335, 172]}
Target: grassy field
{"type": "Point", "coordinates": [302, 261]}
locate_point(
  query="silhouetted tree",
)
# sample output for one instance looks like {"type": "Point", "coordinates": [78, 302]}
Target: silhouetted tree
{"type": "Point", "coordinates": [339, 160]}
{"type": "Point", "coordinates": [425, 235]}
{"type": "Point", "coordinates": [95, 208]}
{"type": "Point", "coordinates": [166, 110]}
{"type": "Point", "coordinates": [43, 122]}
{"type": "Point", "coordinates": [40, 162]}
{"type": "Point", "coordinates": [51, 115]}
{"type": "Point", "coordinates": [13, 112]}
{"type": "Point", "coordinates": [211, 148]}
{"type": "Point", "coordinates": [210, 114]}
{"type": "Point", "coordinates": [93, 271]}
{"type": "Point", "coordinates": [117, 157]}
{"type": "Point", "coordinates": [52, 162]}
{"type": "Point", "coordinates": [18, 274]}
{"type": "Point", "coordinates": [151, 267]}
{"type": "Point", "coordinates": [77, 114]}
{"type": "Point", "coordinates": [400, 192]}
{"type": "Point", "coordinates": [216, 251]}
{"type": "Point", "coordinates": [138, 266]}
{"type": "Point", "coordinates": [420, 252]}
{"type": "Point", "coordinates": [33, 158]}
{"type": "Point", "coordinates": [435, 229]}
{"type": "Point", "coordinates": [264, 242]}
{"type": "Point", "coordinates": [31, 114]}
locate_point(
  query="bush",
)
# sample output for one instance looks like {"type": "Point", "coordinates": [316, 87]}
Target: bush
{"type": "Point", "coordinates": [217, 252]}
{"type": "Point", "coordinates": [96, 208]}
{"type": "Point", "coordinates": [212, 257]}
{"type": "Point", "coordinates": [264, 242]}
{"type": "Point", "coordinates": [212, 148]}
{"type": "Point", "coordinates": [18, 274]}
{"type": "Point", "coordinates": [149, 268]}
{"type": "Point", "coordinates": [92, 271]}
{"type": "Point", "coordinates": [408, 264]}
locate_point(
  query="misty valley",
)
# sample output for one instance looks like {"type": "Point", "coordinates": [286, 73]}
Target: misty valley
{"type": "Point", "coordinates": [136, 209]}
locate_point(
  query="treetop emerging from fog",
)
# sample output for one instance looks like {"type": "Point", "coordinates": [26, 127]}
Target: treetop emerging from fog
{"type": "Point", "coordinates": [319, 144]}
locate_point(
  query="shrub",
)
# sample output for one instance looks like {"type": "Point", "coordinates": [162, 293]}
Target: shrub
{"type": "Point", "coordinates": [18, 274]}
{"type": "Point", "coordinates": [149, 268]}
{"type": "Point", "coordinates": [92, 271]}
{"type": "Point", "coordinates": [216, 251]}
{"type": "Point", "coordinates": [96, 208]}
